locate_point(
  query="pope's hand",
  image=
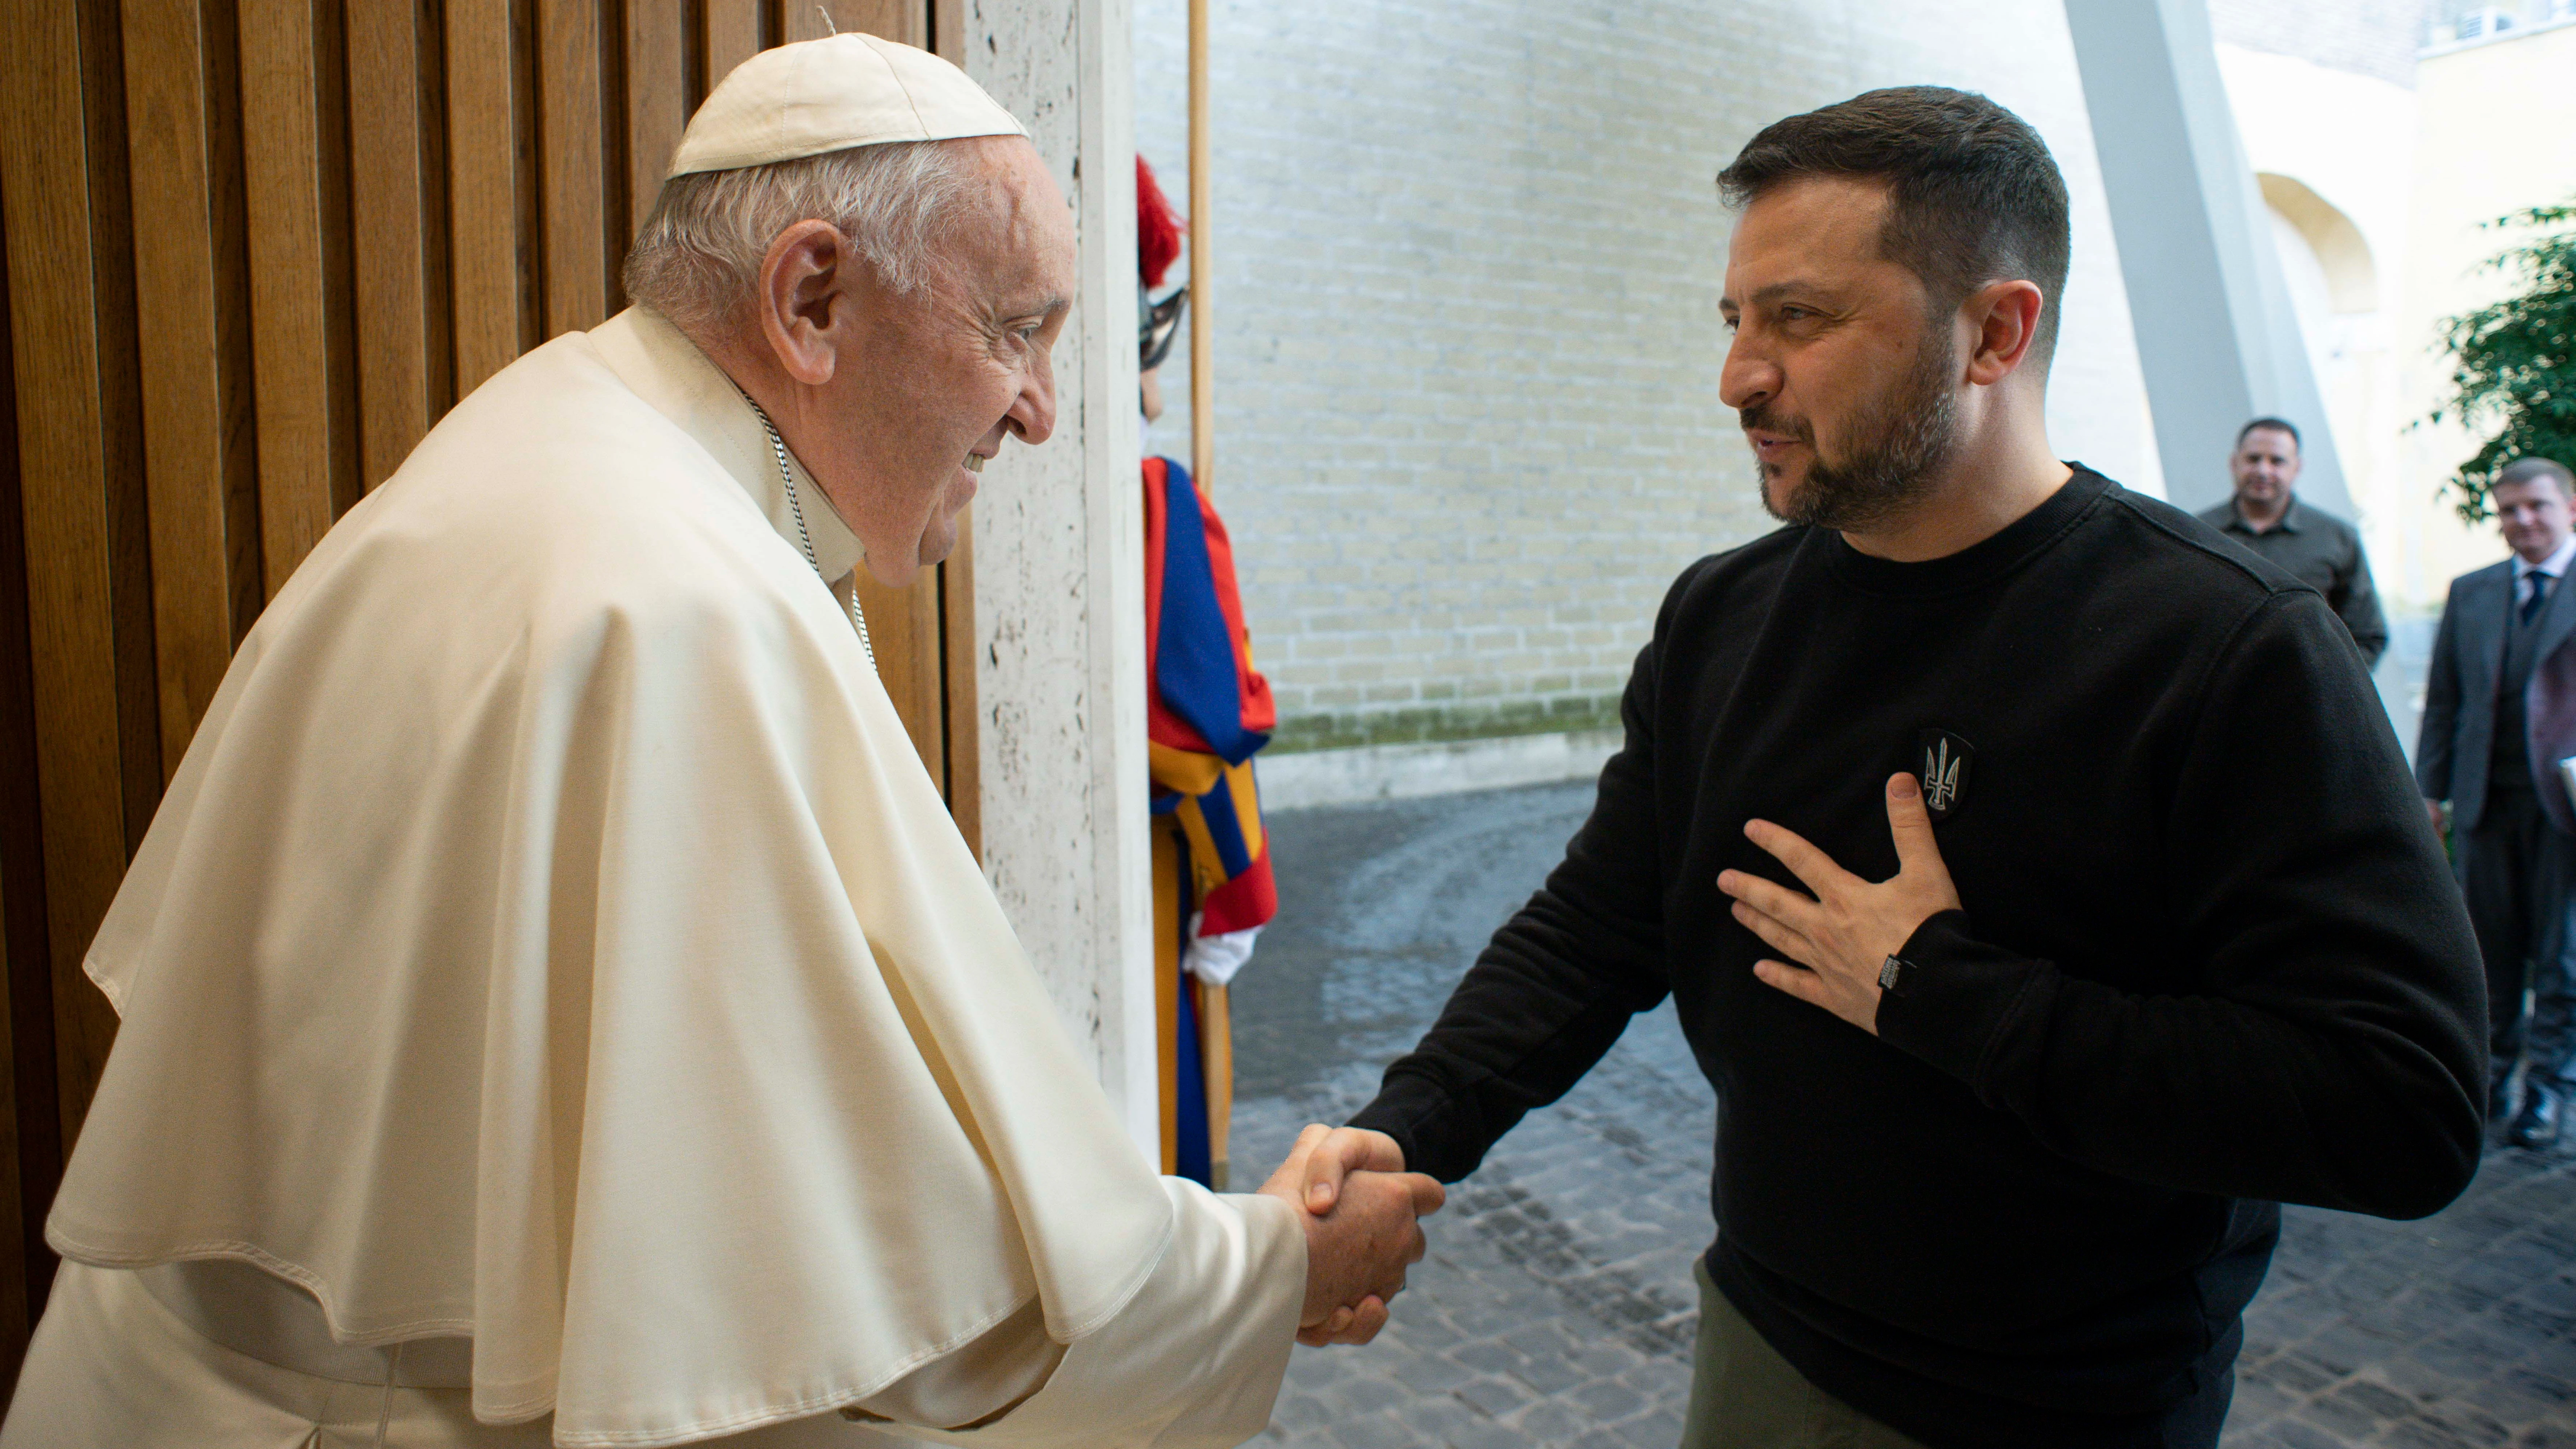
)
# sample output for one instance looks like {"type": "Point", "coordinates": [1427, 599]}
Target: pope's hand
{"type": "Point", "coordinates": [1841, 938]}
{"type": "Point", "coordinates": [1361, 1236]}
{"type": "Point", "coordinates": [1339, 1152]}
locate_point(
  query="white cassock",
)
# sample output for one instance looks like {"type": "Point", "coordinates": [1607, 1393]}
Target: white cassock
{"type": "Point", "coordinates": [552, 960]}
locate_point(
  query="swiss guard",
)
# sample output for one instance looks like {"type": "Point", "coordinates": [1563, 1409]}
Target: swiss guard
{"type": "Point", "coordinates": [1208, 712]}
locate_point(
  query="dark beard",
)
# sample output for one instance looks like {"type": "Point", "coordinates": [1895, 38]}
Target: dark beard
{"type": "Point", "coordinates": [1898, 444]}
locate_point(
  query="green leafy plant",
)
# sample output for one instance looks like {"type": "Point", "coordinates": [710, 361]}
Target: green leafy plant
{"type": "Point", "coordinates": [2514, 361]}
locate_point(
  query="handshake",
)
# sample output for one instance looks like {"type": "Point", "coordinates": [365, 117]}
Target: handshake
{"type": "Point", "coordinates": [1359, 1207]}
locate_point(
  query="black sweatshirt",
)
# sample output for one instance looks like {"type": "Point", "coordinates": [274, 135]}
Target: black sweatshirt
{"type": "Point", "coordinates": [2211, 960]}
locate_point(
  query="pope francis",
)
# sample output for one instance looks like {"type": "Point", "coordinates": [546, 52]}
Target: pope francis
{"type": "Point", "coordinates": [556, 1007]}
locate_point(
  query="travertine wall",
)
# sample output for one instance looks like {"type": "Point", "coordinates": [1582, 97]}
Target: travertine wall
{"type": "Point", "coordinates": [1468, 264]}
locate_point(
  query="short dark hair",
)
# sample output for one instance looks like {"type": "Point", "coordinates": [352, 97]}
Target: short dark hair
{"type": "Point", "coordinates": [2277, 425]}
{"type": "Point", "coordinates": [1974, 197]}
{"type": "Point", "coordinates": [2532, 470]}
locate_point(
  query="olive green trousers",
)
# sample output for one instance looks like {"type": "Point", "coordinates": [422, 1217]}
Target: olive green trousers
{"type": "Point", "coordinates": [1744, 1395]}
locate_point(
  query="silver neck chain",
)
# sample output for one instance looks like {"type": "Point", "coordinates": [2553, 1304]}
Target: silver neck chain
{"type": "Point", "coordinates": [805, 540]}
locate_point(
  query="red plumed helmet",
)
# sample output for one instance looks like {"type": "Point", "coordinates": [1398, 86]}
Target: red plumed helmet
{"type": "Point", "coordinates": [1158, 231]}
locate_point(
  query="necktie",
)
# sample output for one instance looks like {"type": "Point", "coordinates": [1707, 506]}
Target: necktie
{"type": "Point", "coordinates": [2538, 593]}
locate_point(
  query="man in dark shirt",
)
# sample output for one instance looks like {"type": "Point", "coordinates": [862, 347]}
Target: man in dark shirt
{"type": "Point", "coordinates": [2309, 544]}
{"type": "Point", "coordinates": [2036, 876]}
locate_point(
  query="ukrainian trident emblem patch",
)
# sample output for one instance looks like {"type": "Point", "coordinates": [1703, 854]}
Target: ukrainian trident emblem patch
{"type": "Point", "coordinates": [1946, 759]}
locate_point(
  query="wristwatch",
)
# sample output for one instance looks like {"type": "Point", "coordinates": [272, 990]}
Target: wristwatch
{"type": "Point", "coordinates": [1893, 976]}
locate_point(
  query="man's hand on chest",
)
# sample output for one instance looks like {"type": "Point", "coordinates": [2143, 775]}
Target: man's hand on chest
{"type": "Point", "coordinates": [1844, 940]}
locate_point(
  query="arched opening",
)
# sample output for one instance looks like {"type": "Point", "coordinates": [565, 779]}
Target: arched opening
{"type": "Point", "coordinates": [2343, 256]}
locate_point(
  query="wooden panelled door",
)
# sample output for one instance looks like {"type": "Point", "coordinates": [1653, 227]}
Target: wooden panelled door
{"type": "Point", "coordinates": [254, 250]}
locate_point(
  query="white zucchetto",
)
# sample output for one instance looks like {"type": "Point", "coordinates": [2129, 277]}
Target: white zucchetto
{"type": "Point", "coordinates": [801, 100]}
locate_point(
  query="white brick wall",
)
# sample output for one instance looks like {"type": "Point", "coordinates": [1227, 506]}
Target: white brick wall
{"type": "Point", "coordinates": [1468, 261]}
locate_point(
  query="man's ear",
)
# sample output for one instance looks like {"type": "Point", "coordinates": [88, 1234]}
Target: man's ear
{"type": "Point", "coordinates": [803, 311]}
{"type": "Point", "coordinates": [2006, 316]}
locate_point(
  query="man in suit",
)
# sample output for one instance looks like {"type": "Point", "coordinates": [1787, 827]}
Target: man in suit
{"type": "Point", "coordinates": [2308, 543]}
{"type": "Point", "coordinates": [2499, 715]}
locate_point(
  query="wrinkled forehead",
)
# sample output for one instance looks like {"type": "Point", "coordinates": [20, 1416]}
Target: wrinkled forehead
{"type": "Point", "coordinates": [1019, 235]}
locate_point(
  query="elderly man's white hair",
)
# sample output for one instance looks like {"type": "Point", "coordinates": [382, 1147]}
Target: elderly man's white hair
{"type": "Point", "coordinates": [698, 259]}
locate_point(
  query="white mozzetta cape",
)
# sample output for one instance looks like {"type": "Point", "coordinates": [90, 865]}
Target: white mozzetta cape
{"type": "Point", "coordinates": [551, 938]}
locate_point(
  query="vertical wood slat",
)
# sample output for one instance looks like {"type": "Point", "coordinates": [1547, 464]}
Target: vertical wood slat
{"type": "Point", "coordinates": [181, 91]}
{"type": "Point", "coordinates": [946, 23]}
{"type": "Point", "coordinates": [907, 21]}
{"type": "Point", "coordinates": [948, 31]}
{"type": "Point", "coordinates": [486, 220]}
{"type": "Point", "coordinates": [398, 231]}
{"type": "Point", "coordinates": [295, 164]}
{"type": "Point", "coordinates": [657, 101]}
{"type": "Point", "coordinates": [229, 204]}
{"type": "Point", "coordinates": [34, 1161]}
{"type": "Point", "coordinates": [66, 407]}
{"type": "Point", "coordinates": [15, 1320]}
{"type": "Point", "coordinates": [964, 778]}
{"type": "Point", "coordinates": [129, 523]}
{"type": "Point", "coordinates": [574, 176]}
{"type": "Point", "coordinates": [732, 36]}
{"type": "Point", "coordinates": [903, 625]}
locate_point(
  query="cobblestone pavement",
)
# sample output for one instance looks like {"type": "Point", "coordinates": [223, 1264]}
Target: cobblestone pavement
{"type": "Point", "coordinates": [1556, 1307]}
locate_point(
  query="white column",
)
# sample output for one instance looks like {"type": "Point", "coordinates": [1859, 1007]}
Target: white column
{"type": "Point", "coordinates": [2217, 339]}
{"type": "Point", "coordinates": [1059, 571]}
